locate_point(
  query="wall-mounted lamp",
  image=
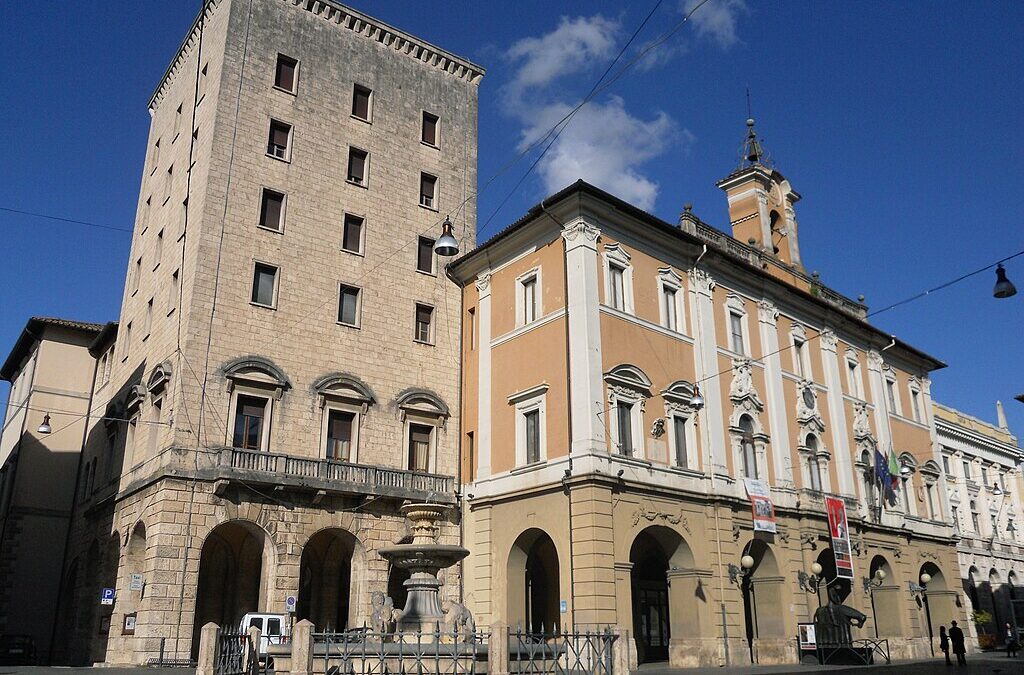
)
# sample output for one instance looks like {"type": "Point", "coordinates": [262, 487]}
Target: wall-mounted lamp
{"type": "Point", "coordinates": [738, 574]}
{"type": "Point", "coordinates": [920, 590]}
{"type": "Point", "coordinates": [810, 582]}
{"type": "Point", "coordinates": [45, 427]}
{"type": "Point", "coordinates": [871, 583]}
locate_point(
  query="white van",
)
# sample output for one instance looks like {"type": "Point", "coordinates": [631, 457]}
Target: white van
{"type": "Point", "coordinates": [274, 629]}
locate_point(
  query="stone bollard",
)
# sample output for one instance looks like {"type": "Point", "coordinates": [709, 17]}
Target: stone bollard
{"type": "Point", "coordinates": [254, 653]}
{"type": "Point", "coordinates": [207, 649]}
{"type": "Point", "coordinates": [497, 650]}
{"type": "Point", "coordinates": [621, 651]}
{"type": "Point", "coordinates": [302, 648]}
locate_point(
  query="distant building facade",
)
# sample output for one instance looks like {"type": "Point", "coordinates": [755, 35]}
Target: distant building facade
{"type": "Point", "coordinates": [51, 374]}
{"type": "Point", "coordinates": [602, 490]}
{"type": "Point", "coordinates": [284, 371]}
{"type": "Point", "coordinates": [982, 468]}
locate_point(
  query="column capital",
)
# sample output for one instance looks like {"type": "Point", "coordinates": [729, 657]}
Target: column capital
{"type": "Point", "coordinates": [701, 282]}
{"type": "Point", "coordinates": [767, 312]}
{"type": "Point", "coordinates": [580, 233]}
{"type": "Point", "coordinates": [829, 340]}
{"type": "Point", "coordinates": [483, 283]}
{"type": "Point", "coordinates": [875, 360]}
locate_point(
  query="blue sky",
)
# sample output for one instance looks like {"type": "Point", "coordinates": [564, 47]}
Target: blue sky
{"type": "Point", "coordinates": [899, 123]}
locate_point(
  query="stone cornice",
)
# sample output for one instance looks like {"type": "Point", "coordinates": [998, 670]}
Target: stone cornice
{"type": "Point", "coordinates": [350, 19]}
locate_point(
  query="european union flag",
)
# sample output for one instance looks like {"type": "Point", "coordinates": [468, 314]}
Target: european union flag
{"type": "Point", "coordinates": [882, 469]}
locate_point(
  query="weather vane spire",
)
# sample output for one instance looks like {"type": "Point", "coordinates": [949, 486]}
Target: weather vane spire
{"type": "Point", "coordinates": [752, 152]}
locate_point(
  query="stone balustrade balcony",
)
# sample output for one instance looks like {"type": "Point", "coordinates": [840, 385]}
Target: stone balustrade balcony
{"type": "Point", "coordinates": [330, 476]}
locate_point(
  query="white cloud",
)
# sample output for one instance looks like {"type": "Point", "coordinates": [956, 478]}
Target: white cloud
{"type": "Point", "coordinates": [716, 18]}
{"type": "Point", "coordinates": [604, 145]}
{"type": "Point", "coordinates": [574, 46]}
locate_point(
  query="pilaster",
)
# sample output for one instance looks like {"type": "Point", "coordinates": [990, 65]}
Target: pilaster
{"type": "Point", "coordinates": [483, 430]}
{"type": "Point", "coordinates": [584, 337]}
{"type": "Point", "coordinates": [880, 400]}
{"type": "Point", "coordinates": [837, 413]}
{"type": "Point", "coordinates": [712, 416]}
{"type": "Point", "coordinates": [767, 316]}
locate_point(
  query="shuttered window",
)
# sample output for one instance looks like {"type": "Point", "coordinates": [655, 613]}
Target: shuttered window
{"type": "Point", "coordinates": [352, 236]}
{"type": "Point", "coordinates": [361, 102]}
{"type": "Point", "coordinates": [429, 131]}
{"type": "Point", "coordinates": [428, 188]}
{"type": "Point", "coordinates": [284, 76]}
{"type": "Point", "coordinates": [357, 166]}
{"type": "Point", "coordinates": [272, 210]}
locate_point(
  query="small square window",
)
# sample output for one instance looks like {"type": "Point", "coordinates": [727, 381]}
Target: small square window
{"type": "Point", "coordinates": [264, 284]}
{"type": "Point", "coordinates": [361, 102]}
{"type": "Point", "coordinates": [424, 324]}
{"type": "Point", "coordinates": [272, 210]}
{"type": "Point", "coordinates": [285, 74]}
{"type": "Point", "coordinates": [425, 255]}
{"type": "Point", "coordinates": [348, 305]}
{"type": "Point", "coordinates": [352, 235]}
{"type": "Point", "coordinates": [357, 166]}
{"type": "Point", "coordinates": [428, 133]}
{"type": "Point", "coordinates": [428, 191]}
{"type": "Point", "coordinates": [279, 143]}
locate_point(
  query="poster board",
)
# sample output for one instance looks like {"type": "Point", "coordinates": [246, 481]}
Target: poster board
{"type": "Point", "coordinates": [839, 530]}
{"type": "Point", "coordinates": [806, 637]}
{"type": "Point", "coordinates": [761, 505]}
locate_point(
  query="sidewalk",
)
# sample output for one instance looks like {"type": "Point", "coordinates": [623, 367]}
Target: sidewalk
{"type": "Point", "coordinates": [977, 664]}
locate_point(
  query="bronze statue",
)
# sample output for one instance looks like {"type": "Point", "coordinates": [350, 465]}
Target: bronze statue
{"type": "Point", "coordinates": [832, 622]}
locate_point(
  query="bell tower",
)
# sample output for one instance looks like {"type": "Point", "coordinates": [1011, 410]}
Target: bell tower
{"type": "Point", "coordinates": [761, 203]}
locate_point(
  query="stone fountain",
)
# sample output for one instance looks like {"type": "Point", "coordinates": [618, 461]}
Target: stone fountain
{"type": "Point", "coordinates": [423, 557]}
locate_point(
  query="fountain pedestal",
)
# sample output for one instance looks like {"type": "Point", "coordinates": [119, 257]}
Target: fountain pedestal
{"type": "Point", "coordinates": [423, 557]}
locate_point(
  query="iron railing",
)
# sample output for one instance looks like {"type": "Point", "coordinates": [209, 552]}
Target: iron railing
{"type": "Point", "coordinates": [586, 652]}
{"type": "Point", "coordinates": [336, 474]}
{"type": "Point", "coordinates": [363, 652]}
{"type": "Point", "coordinates": [235, 655]}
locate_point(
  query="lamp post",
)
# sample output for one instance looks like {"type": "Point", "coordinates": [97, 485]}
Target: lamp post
{"type": "Point", "coordinates": [921, 591]}
{"type": "Point", "coordinates": [870, 584]}
{"type": "Point", "coordinates": [811, 582]}
{"type": "Point", "coordinates": [741, 577]}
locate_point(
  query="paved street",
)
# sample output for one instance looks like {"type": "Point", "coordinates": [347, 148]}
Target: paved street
{"type": "Point", "coordinates": [977, 665]}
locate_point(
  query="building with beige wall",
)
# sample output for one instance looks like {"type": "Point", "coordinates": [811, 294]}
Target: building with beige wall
{"type": "Point", "coordinates": [51, 375]}
{"type": "Point", "coordinates": [284, 372]}
{"type": "Point", "coordinates": [600, 491]}
{"type": "Point", "coordinates": [981, 465]}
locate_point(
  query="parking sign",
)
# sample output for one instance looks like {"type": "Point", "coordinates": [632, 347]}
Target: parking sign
{"type": "Point", "coordinates": [107, 596]}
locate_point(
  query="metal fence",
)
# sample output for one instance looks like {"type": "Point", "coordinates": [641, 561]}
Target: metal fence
{"type": "Point", "coordinates": [586, 652]}
{"type": "Point", "coordinates": [235, 655]}
{"type": "Point", "coordinates": [362, 652]}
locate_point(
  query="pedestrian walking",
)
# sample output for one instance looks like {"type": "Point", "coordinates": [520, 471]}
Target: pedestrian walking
{"type": "Point", "coordinates": [956, 639]}
{"type": "Point", "coordinates": [944, 644]}
{"type": "Point", "coordinates": [1012, 640]}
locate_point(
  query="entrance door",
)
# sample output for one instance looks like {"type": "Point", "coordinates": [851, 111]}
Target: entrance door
{"type": "Point", "coordinates": [651, 617]}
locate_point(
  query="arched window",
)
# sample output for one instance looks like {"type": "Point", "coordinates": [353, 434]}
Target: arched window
{"type": "Point", "coordinates": [813, 467]}
{"type": "Point", "coordinates": [747, 453]}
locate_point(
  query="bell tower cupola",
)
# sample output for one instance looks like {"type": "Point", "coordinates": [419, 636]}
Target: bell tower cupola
{"type": "Point", "coordinates": [761, 203]}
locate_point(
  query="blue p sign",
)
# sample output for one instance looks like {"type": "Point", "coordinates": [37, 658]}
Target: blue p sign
{"type": "Point", "coordinates": [107, 596]}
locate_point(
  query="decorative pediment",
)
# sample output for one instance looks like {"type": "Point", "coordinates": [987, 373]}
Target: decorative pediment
{"type": "Point", "coordinates": [422, 402]}
{"type": "Point", "coordinates": [615, 252]}
{"type": "Point", "coordinates": [908, 460]}
{"type": "Point", "coordinates": [670, 276]}
{"type": "Point", "coordinates": [741, 391]}
{"type": "Point", "coordinates": [343, 387]}
{"type": "Point", "coordinates": [159, 378]}
{"type": "Point", "coordinates": [258, 371]}
{"type": "Point", "coordinates": [629, 376]}
{"type": "Point", "coordinates": [677, 397]}
{"type": "Point", "coordinates": [931, 470]}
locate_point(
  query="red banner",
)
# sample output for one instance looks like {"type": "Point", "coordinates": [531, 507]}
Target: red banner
{"type": "Point", "coordinates": [839, 529]}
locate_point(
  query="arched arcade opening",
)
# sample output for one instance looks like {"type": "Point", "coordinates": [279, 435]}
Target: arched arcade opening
{"type": "Point", "coordinates": [331, 579]}
{"type": "Point", "coordinates": [534, 594]}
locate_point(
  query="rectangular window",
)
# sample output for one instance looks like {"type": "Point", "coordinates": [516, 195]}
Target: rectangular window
{"type": "Point", "coordinates": [147, 208]}
{"type": "Point", "coordinates": [679, 433]}
{"type": "Point", "coordinates": [529, 291]}
{"type": "Point", "coordinates": [984, 476]}
{"type": "Point", "coordinates": [203, 75]}
{"type": "Point", "coordinates": [428, 191]}
{"type": "Point", "coordinates": [890, 388]}
{"type": "Point", "coordinates": [352, 234]}
{"type": "Point", "coordinates": [264, 282]}
{"type": "Point", "coordinates": [852, 372]}
{"type": "Point", "coordinates": [154, 156]}
{"type": "Point", "coordinates": [668, 301]}
{"type": "Point", "coordinates": [532, 421]}
{"type": "Point", "coordinates": [138, 275]}
{"type": "Point", "coordinates": [419, 447]}
{"type": "Point", "coordinates": [798, 357]}
{"type": "Point", "coordinates": [915, 405]}
{"type": "Point", "coordinates": [357, 166]}
{"type": "Point", "coordinates": [624, 419]}
{"type": "Point", "coordinates": [168, 183]}
{"type": "Point", "coordinates": [279, 142]}
{"type": "Point", "coordinates": [284, 75]}
{"type": "Point", "coordinates": [945, 464]}
{"type": "Point", "coordinates": [340, 425]}
{"type": "Point", "coordinates": [428, 133]}
{"type": "Point", "coordinates": [172, 292]}
{"type": "Point", "coordinates": [177, 122]}
{"type": "Point", "coordinates": [156, 412]}
{"type": "Point", "coordinates": [425, 255]}
{"type": "Point", "coordinates": [617, 287]}
{"type": "Point", "coordinates": [736, 332]}
{"type": "Point", "coordinates": [250, 412]}
{"type": "Point", "coordinates": [348, 305]}
{"type": "Point", "coordinates": [424, 323]}
{"type": "Point", "coordinates": [127, 341]}
{"type": "Point", "coordinates": [471, 327]}
{"type": "Point", "coordinates": [158, 249]}
{"type": "Point", "coordinates": [147, 323]}
{"type": "Point", "coordinates": [361, 102]}
{"type": "Point", "coordinates": [272, 210]}
{"type": "Point", "coordinates": [129, 441]}
{"type": "Point", "coordinates": [967, 470]}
